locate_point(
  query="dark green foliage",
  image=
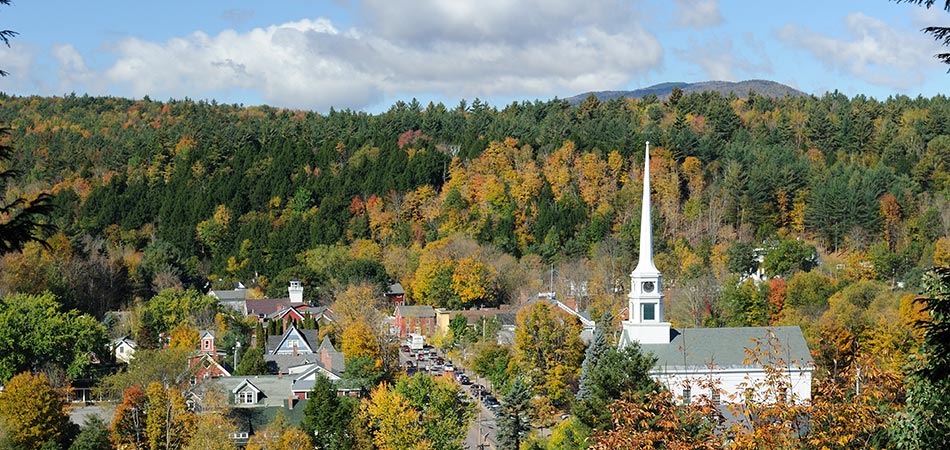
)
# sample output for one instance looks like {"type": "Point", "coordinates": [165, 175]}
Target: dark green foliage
{"type": "Point", "coordinates": [23, 219]}
{"type": "Point", "coordinates": [592, 356]}
{"type": "Point", "coordinates": [459, 327]}
{"type": "Point", "coordinates": [514, 416]}
{"type": "Point", "coordinates": [252, 363]}
{"type": "Point", "coordinates": [617, 372]}
{"type": "Point", "coordinates": [741, 258]}
{"type": "Point", "coordinates": [326, 417]}
{"type": "Point", "coordinates": [93, 435]}
{"type": "Point", "coordinates": [788, 257]}
{"type": "Point", "coordinates": [926, 419]}
{"type": "Point", "coordinates": [362, 371]}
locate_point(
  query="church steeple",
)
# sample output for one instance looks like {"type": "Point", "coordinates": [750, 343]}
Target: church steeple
{"type": "Point", "coordinates": [645, 302]}
{"type": "Point", "coordinates": [645, 265]}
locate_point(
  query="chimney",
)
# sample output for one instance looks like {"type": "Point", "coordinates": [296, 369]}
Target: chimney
{"type": "Point", "coordinates": [295, 349]}
{"type": "Point", "coordinates": [325, 359]}
{"type": "Point", "coordinates": [296, 291]}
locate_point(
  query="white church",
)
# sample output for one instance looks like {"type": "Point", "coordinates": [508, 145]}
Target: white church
{"type": "Point", "coordinates": [715, 362]}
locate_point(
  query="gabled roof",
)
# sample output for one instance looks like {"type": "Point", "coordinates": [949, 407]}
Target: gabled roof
{"type": "Point", "coordinates": [724, 348]}
{"type": "Point", "coordinates": [266, 306]}
{"type": "Point", "coordinates": [396, 289]}
{"type": "Point", "coordinates": [246, 383]}
{"type": "Point", "coordinates": [415, 311]}
{"type": "Point", "coordinates": [205, 334]}
{"type": "Point", "coordinates": [306, 337]}
{"type": "Point", "coordinates": [233, 294]}
{"type": "Point", "coordinates": [123, 340]}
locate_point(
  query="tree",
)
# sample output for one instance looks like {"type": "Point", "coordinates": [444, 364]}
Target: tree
{"type": "Point", "coordinates": [128, 423]}
{"type": "Point", "coordinates": [168, 423]}
{"type": "Point", "coordinates": [393, 422]}
{"type": "Point", "coordinates": [444, 409]}
{"type": "Point", "coordinates": [788, 257]}
{"type": "Point", "coordinates": [514, 417]}
{"type": "Point", "coordinates": [93, 435]}
{"type": "Point", "coordinates": [592, 355]}
{"type": "Point", "coordinates": [168, 367]}
{"type": "Point", "coordinates": [252, 363]}
{"type": "Point", "coordinates": [617, 372]}
{"type": "Point", "coordinates": [33, 413]}
{"type": "Point", "coordinates": [548, 350]}
{"type": "Point", "coordinates": [926, 419]}
{"type": "Point", "coordinates": [22, 220]}
{"type": "Point", "coordinates": [941, 34]}
{"type": "Point", "coordinates": [655, 421]}
{"type": "Point", "coordinates": [279, 435]}
{"type": "Point", "coordinates": [212, 430]}
{"type": "Point", "coordinates": [326, 418]}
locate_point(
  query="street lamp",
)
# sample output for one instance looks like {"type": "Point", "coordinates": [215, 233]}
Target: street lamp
{"type": "Point", "coordinates": [237, 349]}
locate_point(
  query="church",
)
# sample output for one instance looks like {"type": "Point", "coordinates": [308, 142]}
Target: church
{"type": "Point", "coordinates": [727, 365]}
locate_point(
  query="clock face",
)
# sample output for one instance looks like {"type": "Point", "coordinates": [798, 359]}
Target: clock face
{"type": "Point", "coordinates": [648, 286]}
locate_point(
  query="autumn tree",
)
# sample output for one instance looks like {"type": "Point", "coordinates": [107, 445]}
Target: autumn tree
{"type": "Point", "coordinates": [168, 423]}
{"type": "Point", "coordinates": [128, 423]}
{"type": "Point", "coordinates": [548, 350]}
{"type": "Point", "coordinates": [212, 430]}
{"type": "Point", "coordinates": [279, 435]}
{"type": "Point", "coordinates": [654, 420]}
{"type": "Point", "coordinates": [445, 410]}
{"type": "Point", "coordinates": [925, 419]}
{"type": "Point", "coordinates": [33, 413]}
{"type": "Point", "coordinates": [393, 423]}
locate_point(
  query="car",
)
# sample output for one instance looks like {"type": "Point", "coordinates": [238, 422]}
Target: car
{"type": "Point", "coordinates": [449, 367]}
{"type": "Point", "coordinates": [405, 348]}
{"type": "Point", "coordinates": [421, 356]}
{"type": "Point", "coordinates": [439, 360]}
{"type": "Point", "coordinates": [463, 380]}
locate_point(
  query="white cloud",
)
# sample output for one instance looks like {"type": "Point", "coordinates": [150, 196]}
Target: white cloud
{"type": "Point", "coordinates": [719, 61]}
{"type": "Point", "coordinates": [697, 13]}
{"type": "Point", "coordinates": [18, 63]}
{"type": "Point", "coordinates": [459, 48]}
{"type": "Point", "coordinates": [874, 51]}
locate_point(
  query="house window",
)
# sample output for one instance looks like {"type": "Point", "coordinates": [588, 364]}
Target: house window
{"type": "Point", "coordinates": [649, 311]}
{"type": "Point", "coordinates": [293, 343]}
{"type": "Point", "coordinates": [207, 344]}
{"type": "Point", "coordinates": [247, 397]}
{"type": "Point", "coordinates": [239, 435]}
{"type": "Point", "coordinates": [687, 393]}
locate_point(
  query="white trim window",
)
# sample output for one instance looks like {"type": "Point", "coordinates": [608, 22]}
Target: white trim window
{"type": "Point", "coordinates": [247, 397]}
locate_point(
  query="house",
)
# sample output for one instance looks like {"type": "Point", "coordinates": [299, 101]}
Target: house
{"type": "Point", "coordinates": [296, 351]}
{"type": "Point", "coordinates": [206, 361]}
{"type": "Point", "coordinates": [718, 362]}
{"type": "Point", "coordinates": [234, 299]}
{"type": "Point", "coordinates": [418, 319]}
{"type": "Point", "coordinates": [264, 309]}
{"type": "Point", "coordinates": [123, 348]}
{"type": "Point", "coordinates": [396, 295]}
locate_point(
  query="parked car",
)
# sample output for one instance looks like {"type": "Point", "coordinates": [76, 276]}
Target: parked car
{"type": "Point", "coordinates": [405, 348]}
{"type": "Point", "coordinates": [448, 367]}
{"type": "Point", "coordinates": [463, 380]}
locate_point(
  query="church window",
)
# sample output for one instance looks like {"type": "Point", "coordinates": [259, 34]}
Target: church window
{"type": "Point", "coordinates": [687, 393]}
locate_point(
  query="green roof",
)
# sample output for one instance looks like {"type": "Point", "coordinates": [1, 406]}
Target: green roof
{"type": "Point", "coordinates": [725, 348]}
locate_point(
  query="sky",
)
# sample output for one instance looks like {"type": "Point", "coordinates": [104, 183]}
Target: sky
{"type": "Point", "coordinates": [368, 54]}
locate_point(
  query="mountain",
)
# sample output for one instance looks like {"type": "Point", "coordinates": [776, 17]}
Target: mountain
{"type": "Point", "coordinates": [662, 90]}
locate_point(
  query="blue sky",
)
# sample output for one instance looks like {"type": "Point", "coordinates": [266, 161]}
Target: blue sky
{"type": "Point", "coordinates": [368, 54]}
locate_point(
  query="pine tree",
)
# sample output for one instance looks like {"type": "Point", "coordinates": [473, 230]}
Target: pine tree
{"type": "Point", "coordinates": [514, 417]}
{"type": "Point", "coordinates": [597, 347]}
{"type": "Point", "coordinates": [327, 416]}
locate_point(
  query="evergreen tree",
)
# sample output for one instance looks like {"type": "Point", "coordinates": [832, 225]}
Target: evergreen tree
{"type": "Point", "coordinates": [615, 373]}
{"type": "Point", "coordinates": [252, 363]}
{"type": "Point", "coordinates": [592, 356]}
{"type": "Point", "coordinates": [926, 419]}
{"type": "Point", "coordinates": [514, 417]}
{"type": "Point", "coordinates": [327, 416]}
{"type": "Point", "coordinates": [93, 435]}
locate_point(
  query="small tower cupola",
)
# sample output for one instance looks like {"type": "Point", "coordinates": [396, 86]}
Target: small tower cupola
{"type": "Point", "coordinates": [645, 302]}
{"type": "Point", "coordinates": [296, 291]}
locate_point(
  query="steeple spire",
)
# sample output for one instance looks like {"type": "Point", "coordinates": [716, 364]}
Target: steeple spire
{"type": "Point", "coordinates": [645, 302]}
{"type": "Point", "coordinates": [645, 265]}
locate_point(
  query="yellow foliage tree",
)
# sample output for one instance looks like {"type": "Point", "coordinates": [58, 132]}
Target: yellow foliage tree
{"type": "Point", "coordinates": [32, 412]}
{"type": "Point", "coordinates": [184, 337]}
{"type": "Point", "coordinates": [942, 252]}
{"type": "Point", "coordinates": [473, 280]}
{"type": "Point", "coordinates": [279, 435]}
{"type": "Point", "coordinates": [395, 424]}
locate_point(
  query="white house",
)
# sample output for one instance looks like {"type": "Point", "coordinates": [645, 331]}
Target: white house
{"type": "Point", "coordinates": [725, 364]}
{"type": "Point", "coordinates": [123, 349]}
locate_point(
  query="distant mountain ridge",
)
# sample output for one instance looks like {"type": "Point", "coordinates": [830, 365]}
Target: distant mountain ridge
{"type": "Point", "coordinates": [762, 87]}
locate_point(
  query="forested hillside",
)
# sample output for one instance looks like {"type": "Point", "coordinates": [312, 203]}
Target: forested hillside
{"type": "Point", "coordinates": [451, 201]}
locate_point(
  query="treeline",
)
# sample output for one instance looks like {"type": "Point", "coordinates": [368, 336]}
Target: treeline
{"type": "Point", "coordinates": [160, 194]}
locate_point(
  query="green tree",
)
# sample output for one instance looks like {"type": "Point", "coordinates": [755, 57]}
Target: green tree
{"type": "Point", "coordinates": [252, 363]}
{"type": "Point", "coordinates": [459, 327]}
{"type": "Point", "coordinates": [327, 416]}
{"type": "Point", "coordinates": [548, 350]}
{"type": "Point", "coordinates": [93, 435]}
{"type": "Point", "coordinates": [592, 355]}
{"type": "Point", "coordinates": [445, 410]}
{"type": "Point", "coordinates": [168, 367]}
{"type": "Point", "coordinates": [926, 419]}
{"type": "Point", "coordinates": [33, 413]}
{"type": "Point", "coordinates": [514, 416]}
{"type": "Point", "coordinates": [741, 258]}
{"type": "Point", "coordinates": [617, 372]}
{"type": "Point", "coordinates": [788, 257]}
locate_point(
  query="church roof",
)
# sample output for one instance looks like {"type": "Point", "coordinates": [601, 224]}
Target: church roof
{"type": "Point", "coordinates": [724, 348]}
